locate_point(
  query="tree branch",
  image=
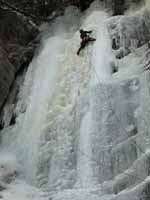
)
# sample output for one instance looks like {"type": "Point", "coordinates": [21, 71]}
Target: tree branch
{"type": "Point", "coordinates": [30, 17]}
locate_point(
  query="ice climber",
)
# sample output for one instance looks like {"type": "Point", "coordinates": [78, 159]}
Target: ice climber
{"type": "Point", "coordinates": [85, 39]}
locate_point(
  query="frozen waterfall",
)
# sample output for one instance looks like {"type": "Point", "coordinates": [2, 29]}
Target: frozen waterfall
{"type": "Point", "coordinates": [41, 94]}
{"type": "Point", "coordinates": [101, 72]}
{"type": "Point", "coordinates": [82, 131]}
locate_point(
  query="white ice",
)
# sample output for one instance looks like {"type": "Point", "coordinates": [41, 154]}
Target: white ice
{"type": "Point", "coordinates": [81, 132]}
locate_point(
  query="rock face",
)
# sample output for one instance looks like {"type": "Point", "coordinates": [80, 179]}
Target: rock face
{"type": "Point", "coordinates": [7, 73]}
{"type": "Point", "coordinates": [119, 6]}
{"type": "Point", "coordinates": [16, 35]}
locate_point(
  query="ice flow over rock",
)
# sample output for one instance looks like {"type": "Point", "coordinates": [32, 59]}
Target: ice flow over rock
{"type": "Point", "coordinates": [82, 132]}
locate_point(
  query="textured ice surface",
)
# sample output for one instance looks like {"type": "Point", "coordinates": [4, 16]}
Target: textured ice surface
{"type": "Point", "coordinates": [82, 132]}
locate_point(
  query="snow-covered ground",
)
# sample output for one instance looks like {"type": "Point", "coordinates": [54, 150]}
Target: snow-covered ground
{"type": "Point", "coordinates": [82, 132]}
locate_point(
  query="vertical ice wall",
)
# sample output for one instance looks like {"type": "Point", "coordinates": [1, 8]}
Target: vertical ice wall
{"type": "Point", "coordinates": [28, 138]}
{"type": "Point", "coordinates": [78, 133]}
{"type": "Point", "coordinates": [89, 132]}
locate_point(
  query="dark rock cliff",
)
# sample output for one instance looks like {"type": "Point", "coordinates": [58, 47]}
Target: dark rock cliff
{"type": "Point", "coordinates": [15, 37]}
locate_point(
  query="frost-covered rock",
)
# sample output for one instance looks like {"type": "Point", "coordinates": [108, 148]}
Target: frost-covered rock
{"type": "Point", "coordinates": [8, 170]}
{"type": "Point", "coordinates": [130, 32]}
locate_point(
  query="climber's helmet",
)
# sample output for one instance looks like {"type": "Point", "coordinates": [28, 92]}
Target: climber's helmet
{"type": "Point", "coordinates": [81, 30]}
